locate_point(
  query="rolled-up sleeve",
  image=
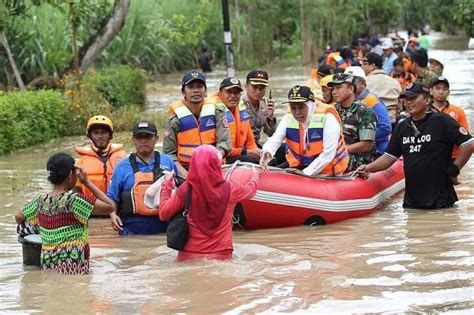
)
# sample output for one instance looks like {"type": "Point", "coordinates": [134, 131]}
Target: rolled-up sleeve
{"type": "Point", "coordinates": [367, 126]}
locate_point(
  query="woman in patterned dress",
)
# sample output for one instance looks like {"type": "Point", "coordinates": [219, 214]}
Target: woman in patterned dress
{"type": "Point", "coordinates": [62, 216]}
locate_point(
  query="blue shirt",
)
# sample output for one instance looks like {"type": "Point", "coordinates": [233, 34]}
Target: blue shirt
{"type": "Point", "coordinates": [384, 124]}
{"type": "Point", "coordinates": [388, 63]}
{"type": "Point", "coordinates": [123, 179]}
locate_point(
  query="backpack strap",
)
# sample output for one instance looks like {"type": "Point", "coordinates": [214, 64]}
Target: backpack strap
{"type": "Point", "coordinates": [157, 171]}
{"type": "Point", "coordinates": [133, 162]}
{"type": "Point", "coordinates": [187, 203]}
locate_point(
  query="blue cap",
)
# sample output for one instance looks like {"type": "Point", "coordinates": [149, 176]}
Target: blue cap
{"type": "Point", "coordinates": [192, 76]}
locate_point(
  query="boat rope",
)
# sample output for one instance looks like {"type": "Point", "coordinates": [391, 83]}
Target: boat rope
{"type": "Point", "coordinates": [227, 176]}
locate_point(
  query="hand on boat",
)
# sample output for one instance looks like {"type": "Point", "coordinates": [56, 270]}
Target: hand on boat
{"type": "Point", "coordinates": [255, 153]}
{"type": "Point", "coordinates": [265, 158]}
{"type": "Point", "coordinates": [362, 171]}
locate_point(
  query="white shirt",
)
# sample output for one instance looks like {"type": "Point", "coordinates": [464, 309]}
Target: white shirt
{"type": "Point", "coordinates": [331, 133]}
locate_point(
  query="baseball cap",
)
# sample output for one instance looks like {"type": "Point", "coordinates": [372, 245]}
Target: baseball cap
{"type": "Point", "coordinates": [374, 58]}
{"type": "Point", "coordinates": [230, 83]}
{"type": "Point", "coordinates": [387, 44]}
{"type": "Point", "coordinates": [434, 60]}
{"type": "Point", "coordinates": [324, 70]}
{"type": "Point", "coordinates": [144, 126]}
{"type": "Point", "coordinates": [414, 89]}
{"type": "Point", "coordinates": [340, 78]}
{"type": "Point", "coordinates": [356, 72]}
{"type": "Point", "coordinates": [346, 52]}
{"type": "Point", "coordinates": [300, 94]}
{"type": "Point", "coordinates": [257, 77]}
{"type": "Point", "coordinates": [439, 79]}
{"type": "Point", "coordinates": [192, 76]}
{"type": "Point", "coordinates": [328, 48]}
{"type": "Point", "coordinates": [324, 81]}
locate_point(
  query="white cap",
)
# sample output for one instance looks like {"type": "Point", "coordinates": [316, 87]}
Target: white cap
{"type": "Point", "coordinates": [387, 44]}
{"type": "Point", "coordinates": [356, 72]}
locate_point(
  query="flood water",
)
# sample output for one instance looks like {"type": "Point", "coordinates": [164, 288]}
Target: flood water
{"type": "Point", "coordinates": [393, 261]}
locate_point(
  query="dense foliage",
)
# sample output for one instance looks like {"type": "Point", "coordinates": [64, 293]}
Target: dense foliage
{"type": "Point", "coordinates": [161, 36]}
{"type": "Point", "coordinates": [120, 85]}
{"type": "Point", "coordinates": [30, 117]}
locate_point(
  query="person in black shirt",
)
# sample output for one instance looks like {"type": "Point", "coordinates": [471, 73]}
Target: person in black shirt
{"type": "Point", "coordinates": [205, 60]}
{"type": "Point", "coordinates": [425, 140]}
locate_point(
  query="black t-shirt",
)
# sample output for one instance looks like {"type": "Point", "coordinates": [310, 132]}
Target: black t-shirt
{"type": "Point", "coordinates": [426, 146]}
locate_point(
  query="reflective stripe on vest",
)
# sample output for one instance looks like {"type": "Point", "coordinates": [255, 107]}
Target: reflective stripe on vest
{"type": "Point", "coordinates": [296, 156]}
{"type": "Point", "coordinates": [303, 150]}
{"type": "Point", "coordinates": [193, 133]}
{"type": "Point", "coordinates": [235, 128]}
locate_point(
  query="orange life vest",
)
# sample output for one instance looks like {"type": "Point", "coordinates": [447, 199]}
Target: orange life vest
{"type": "Point", "coordinates": [457, 113]}
{"type": "Point", "coordinates": [99, 171]}
{"type": "Point", "coordinates": [193, 133]}
{"type": "Point", "coordinates": [132, 202]}
{"type": "Point", "coordinates": [301, 151]}
{"type": "Point", "coordinates": [241, 134]}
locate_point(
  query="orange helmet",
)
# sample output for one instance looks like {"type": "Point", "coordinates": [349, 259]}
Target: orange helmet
{"type": "Point", "coordinates": [99, 120]}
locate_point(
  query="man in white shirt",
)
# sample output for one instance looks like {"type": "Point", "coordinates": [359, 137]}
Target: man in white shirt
{"type": "Point", "coordinates": [313, 135]}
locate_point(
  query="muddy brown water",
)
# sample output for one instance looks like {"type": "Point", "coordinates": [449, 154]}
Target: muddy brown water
{"type": "Point", "coordinates": [393, 261]}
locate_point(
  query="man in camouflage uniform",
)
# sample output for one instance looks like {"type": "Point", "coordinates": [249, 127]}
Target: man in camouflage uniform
{"type": "Point", "coordinates": [261, 110]}
{"type": "Point", "coordinates": [359, 121]}
{"type": "Point", "coordinates": [419, 66]}
{"type": "Point", "coordinates": [193, 88]}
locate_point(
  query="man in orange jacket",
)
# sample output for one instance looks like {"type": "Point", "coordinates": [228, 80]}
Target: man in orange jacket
{"type": "Point", "coordinates": [243, 146]}
{"type": "Point", "coordinates": [440, 92]}
{"type": "Point", "coordinates": [99, 158]}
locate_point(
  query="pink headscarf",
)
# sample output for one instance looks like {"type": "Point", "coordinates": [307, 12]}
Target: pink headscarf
{"type": "Point", "coordinates": [211, 191]}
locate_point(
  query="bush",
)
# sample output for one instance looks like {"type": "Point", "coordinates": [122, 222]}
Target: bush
{"type": "Point", "coordinates": [27, 118]}
{"type": "Point", "coordinates": [82, 101]}
{"type": "Point", "coordinates": [120, 85]}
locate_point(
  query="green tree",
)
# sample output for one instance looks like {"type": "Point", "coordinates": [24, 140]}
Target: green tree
{"type": "Point", "coordinates": [9, 11]}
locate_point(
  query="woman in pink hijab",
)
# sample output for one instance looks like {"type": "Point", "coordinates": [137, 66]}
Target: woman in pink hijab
{"type": "Point", "coordinates": [212, 205]}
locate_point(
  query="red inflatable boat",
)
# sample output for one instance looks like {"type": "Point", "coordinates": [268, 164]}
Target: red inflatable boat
{"type": "Point", "coordinates": [285, 199]}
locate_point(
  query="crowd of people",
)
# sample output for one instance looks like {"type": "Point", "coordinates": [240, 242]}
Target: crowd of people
{"type": "Point", "coordinates": [360, 111]}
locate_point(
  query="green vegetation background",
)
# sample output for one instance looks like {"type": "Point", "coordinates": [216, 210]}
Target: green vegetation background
{"type": "Point", "coordinates": [163, 36]}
